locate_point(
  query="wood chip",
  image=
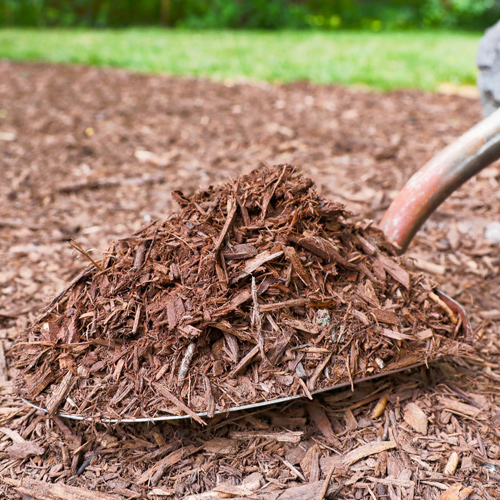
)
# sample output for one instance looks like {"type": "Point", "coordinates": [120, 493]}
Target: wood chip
{"type": "Point", "coordinates": [253, 482]}
{"type": "Point", "coordinates": [319, 417]}
{"type": "Point", "coordinates": [3, 365]}
{"type": "Point", "coordinates": [161, 492]}
{"type": "Point", "coordinates": [386, 316]}
{"type": "Point", "coordinates": [221, 446]}
{"type": "Point", "coordinates": [294, 259]}
{"type": "Point", "coordinates": [326, 484]}
{"type": "Point", "coordinates": [395, 335]}
{"type": "Point", "coordinates": [232, 206]}
{"type": "Point", "coordinates": [240, 252]}
{"type": "Point", "coordinates": [416, 418]}
{"type": "Point", "coordinates": [367, 450]}
{"type": "Point", "coordinates": [245, 361]}
{"type": "Point", "coordinates": [492, 314]}
{"type": "Point", "coordinates": [282, 437]}
{"type": "Point", "coordinates": [311, 383]}
{"type": "Point", "coordinates": [259, 260]}
{"type": "Point", "coordinates": [322, 248]}
{"type": "Point", "coordinates": [166, 462]}
{"type": "Point", "coordinates": [21, 448]}
{"type": "Point", "coordinates": [41, 490]}
{"type": "Point", "coordinates": [177, 402]}
{"type": "Point", "coordinates": [456, 492]}
{"type": "Point", "coordinates": [427, 266]}
{"type": "Point", "coordinates": [276, 306]}
{"type": "Point", "coordinates": [452, 464]}
{"type": "Point", "coordinates": [228, 490]}
{"type": "Point", "coordinates": [395, 270]}
{"type": "Point", "coordinates": [310, 463]}
{"type": "Point", "coordinates": [60, 393]}
{"type": "Point", "coordinates": [458, 407]}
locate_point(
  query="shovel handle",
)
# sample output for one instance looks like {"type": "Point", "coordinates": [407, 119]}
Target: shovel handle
{"type": "Point", "coordinates": [438, 178]}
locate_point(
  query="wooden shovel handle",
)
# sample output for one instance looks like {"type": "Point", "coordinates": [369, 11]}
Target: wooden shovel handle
{"type": "Point", "coordinates": [437, 179]}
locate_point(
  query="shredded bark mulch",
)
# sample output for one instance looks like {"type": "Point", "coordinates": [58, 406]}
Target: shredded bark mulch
{"type": "Point", "coordinates": [90, 156]}
{"type": "Point", "coordinates": [257, 290]}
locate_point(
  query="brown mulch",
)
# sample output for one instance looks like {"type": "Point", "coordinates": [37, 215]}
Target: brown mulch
{"type": "Point", "coordinates": [256, 290]}
{"type": "Point", "coordinates": [92, 156]}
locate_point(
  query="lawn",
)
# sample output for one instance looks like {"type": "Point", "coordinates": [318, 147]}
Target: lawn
{"type": "Point", "coordinates": [385, 61]}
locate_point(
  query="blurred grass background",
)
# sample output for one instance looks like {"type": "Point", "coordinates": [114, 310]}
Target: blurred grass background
{"type": "Point", "coordinates": [386, 45]}
{"type": "Point", "coordinates": [384, 60]}
{"type": "Point", "coordinates": [254, 14]}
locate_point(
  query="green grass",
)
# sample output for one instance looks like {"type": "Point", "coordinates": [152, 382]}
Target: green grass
{"type": "Point", "coordinates": [386, 61]}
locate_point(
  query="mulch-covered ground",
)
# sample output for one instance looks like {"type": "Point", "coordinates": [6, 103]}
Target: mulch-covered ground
{"type": "Point", "coordinates": [91, 156]}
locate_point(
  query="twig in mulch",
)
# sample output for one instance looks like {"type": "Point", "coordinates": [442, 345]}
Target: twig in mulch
{"type": "Point", "coordinates": [326, 483]}
{"type": "Point", "coordinates": [3, 364]}
{"type": "Point", "coordinates": [108, 183]}
{"type": "Point", "coordinates": [41, 490]}
{"type": "Point", "coordinates": [9, 315]}
{"type": "Point", "coordinates": [165, 392]}
{"type": "Point", "coordinates": [232, 206]}
{"type": "Point", "coordinates": [76, 246]}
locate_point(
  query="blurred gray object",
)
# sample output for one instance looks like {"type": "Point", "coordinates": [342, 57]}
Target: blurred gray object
{"type": "Point", "coordinates": [488, 62]}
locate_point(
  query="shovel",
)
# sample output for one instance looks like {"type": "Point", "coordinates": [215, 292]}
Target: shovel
{"type": "Point", "coordinates": [422, 194]}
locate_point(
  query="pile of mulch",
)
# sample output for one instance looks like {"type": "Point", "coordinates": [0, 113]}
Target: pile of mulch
{"type": "Point", "coordinates": [256, 290]}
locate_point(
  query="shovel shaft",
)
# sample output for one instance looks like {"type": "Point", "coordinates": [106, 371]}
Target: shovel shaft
{"type": "Point", "coordinates": [435, 181]}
